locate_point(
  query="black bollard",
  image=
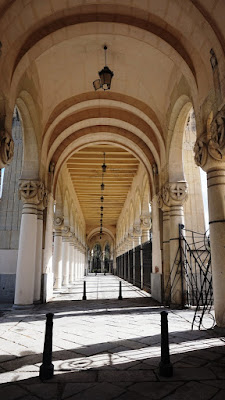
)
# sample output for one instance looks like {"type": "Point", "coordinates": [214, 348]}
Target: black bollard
{"type": "Point", "coordinates": [120, 291]}
{"type": "Point", "coordinates": [84, 292]}
{"type": "Point", "coordinates": [165, 366]}
{"type": "Point", "coordinates": [47, 368]}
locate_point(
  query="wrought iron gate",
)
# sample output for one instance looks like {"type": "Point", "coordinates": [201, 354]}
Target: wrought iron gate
{"type": "Point", "coordinates": [191, 274]}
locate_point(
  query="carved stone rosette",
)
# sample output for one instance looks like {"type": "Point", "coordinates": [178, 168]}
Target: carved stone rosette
{"type": "Point", "coordinates": [31, 191]}
{"type": "Point", "coordinates": [58, 225]}
{"type": "Point", "coordinates": [6, 148]}
{"type": "Point", "coordinates": [173, 193]}
{"type": "Point", "coordinates": [212, 144]}
{"type": "Point", "coordinates": [58, 222]}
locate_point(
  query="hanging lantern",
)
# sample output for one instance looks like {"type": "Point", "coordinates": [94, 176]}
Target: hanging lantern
{"type": "Point", "coordinates": [104, 166]}
{"type": "Point", "coordinates": [105, 76]}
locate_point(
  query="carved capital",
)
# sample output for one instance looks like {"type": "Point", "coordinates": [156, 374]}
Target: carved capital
{"type": "Point", "coordinates": [210, 147]}
{"type": "Point", "coordinates": [31, 191]}
{"type": "Point", "coordinates": [145, 222]}
{"type": "Point", "coordinates": [58, 223]}
{"type": "Point", "coordinates": [66, 230]}
{"type": "Point", "coordinates": [201, 150]}
{"type": "Point", "coordinates": [137, 230]}
{"type": "Point", "coordinates": [172, 193]}
{"type": "Point", "coordinates": [6, 148]}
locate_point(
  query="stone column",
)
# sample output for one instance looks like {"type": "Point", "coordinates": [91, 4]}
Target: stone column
{"type": "Point", "coordinates": [76, 260]}
{"type": "Point", "coordinates": [129, 247]}
{"type": "Point", "coordinates": [136, 235]}
{"type": "Point", "coordinates": [31, 193]}
{"type": "Point", "coordinates": [145, 228]}
{"type": "Point", "coordinates": [48, 252]}
{"type": "Point", "coordinates": [65, 255]}
{"type": "Point", "coordinates": [57, 254]}
{"type": "Point", "coordinates": [156, 245]}
{"type": "Point", "coordinates": [136, 242]}
{"type": "Point", "coordinates": [210, 155]}
{"type": "Point", "coordinates": [166, 251]}
{"type": "Point", "coordinates": [71, 259]}
{"type": "Point", "coordinates": [174, 194]}
{"type": "Point", "coordinates": [82, 261]}
{"type": "Point", "coordinates": [39, 254]}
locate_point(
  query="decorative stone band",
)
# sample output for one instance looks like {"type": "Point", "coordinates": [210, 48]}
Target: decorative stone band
{"type": "Point", "coordinates": [58, 233]}
{"type": "Point", "coordinates": [39, 214]}
{"type": "Point", "coordinates": [6, 148]}
{"type": "Point", "coordinates": [29, 208]}
{"type": "Point", "coordinates": [33, 192]}
{"type": "Point", "coordinates": [173, 194]}
{"type": "Point", "coordinates": [211, 144]}
{"type": "Point", "coordinates": [166, 215]}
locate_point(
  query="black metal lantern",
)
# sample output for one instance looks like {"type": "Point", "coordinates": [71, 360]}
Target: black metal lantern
{"type": "Point", "coordinates": [102, 199]}
{"type": "Point", "coordinates": [102, 208]}
{"type": "Point", "coordinates": [105, 76]}
{"type": "Point", "coordinates": [104, 166]}
{"type": "Point", "coordinates": [102, 186]}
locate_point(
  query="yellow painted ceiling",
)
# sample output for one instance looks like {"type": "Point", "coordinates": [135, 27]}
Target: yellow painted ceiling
{"type": "Point", "coordinates": [85, 168]}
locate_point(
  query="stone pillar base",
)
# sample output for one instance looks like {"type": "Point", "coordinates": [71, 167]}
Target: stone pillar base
{"type": "Point", "coordinates": [47, 288]}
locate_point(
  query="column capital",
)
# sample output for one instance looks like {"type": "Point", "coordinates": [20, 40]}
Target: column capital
{"type": "Point", "coordinates": [145, 222]}
{"type": "Point", "coordinates": [58, 222]}
{"type": "Point", "coordinates": [66, 234]}
{"type": "Point", "coordinates": [58, 225]}
{"type": "Point", "coordinates": [32, 192]}
{"type": "Point", "coordinates": [210, 146]}
{"type": "Point", "coordinates": [137, 230]}
{"type": "Point", "coordinates": [172, 194]}
{"type": "Point", "coordinates": [6, 147]}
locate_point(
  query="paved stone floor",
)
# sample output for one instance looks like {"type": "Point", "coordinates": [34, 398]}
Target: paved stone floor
{"type": "Point", "coordinates": [107, 349]}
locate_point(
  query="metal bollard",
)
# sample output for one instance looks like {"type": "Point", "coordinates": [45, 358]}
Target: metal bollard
{"type": "Point", "coordinates": [47, 368]}
{"type": "Point", "coordinates": [165, 366]}
{"type": "Point", "coordinates": [84, 292]}
{"type": "Point", "coordinates": [120, 291]}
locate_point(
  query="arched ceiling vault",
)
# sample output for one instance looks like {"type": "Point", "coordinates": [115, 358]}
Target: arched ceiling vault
{"type": "Point", "coordinates": [158, 51]}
